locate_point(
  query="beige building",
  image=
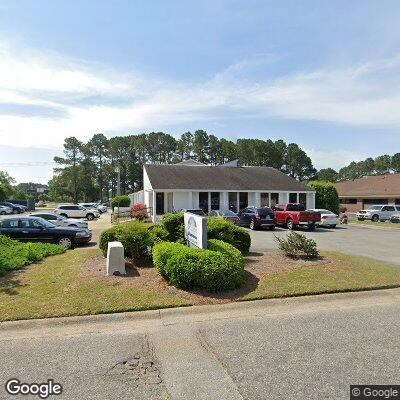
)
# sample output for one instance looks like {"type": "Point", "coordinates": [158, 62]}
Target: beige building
{"type": "Point", "coordinates": [362, 193]}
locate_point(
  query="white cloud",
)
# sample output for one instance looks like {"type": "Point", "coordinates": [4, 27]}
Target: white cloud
{"type": "Point", "coordinates": [335, 159]}
{"type": "Point", "coordinates": [88, 98]}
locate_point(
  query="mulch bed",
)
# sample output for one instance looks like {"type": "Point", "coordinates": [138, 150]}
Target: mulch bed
{"type": "Point", "coordinates": [143, 276]}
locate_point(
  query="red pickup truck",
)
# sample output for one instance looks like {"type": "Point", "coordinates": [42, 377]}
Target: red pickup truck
{"type": "Point", "coordinates": [292, 215]}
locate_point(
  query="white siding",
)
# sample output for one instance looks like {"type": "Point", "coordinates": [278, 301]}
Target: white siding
{"type": "Point", "coordinates": [181, 200]}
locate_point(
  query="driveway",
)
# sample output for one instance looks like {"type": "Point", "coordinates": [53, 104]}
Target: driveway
{"type": "Point", "coordinates": [379, 244]}
{"type": "Point", "coordinates": [305, 348]}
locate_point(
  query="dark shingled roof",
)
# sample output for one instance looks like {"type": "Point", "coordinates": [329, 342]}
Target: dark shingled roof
{"type": "Point", "coordinates": [203, 177]}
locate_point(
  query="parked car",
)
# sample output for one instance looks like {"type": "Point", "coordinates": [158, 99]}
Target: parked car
{"type": "Point", "coordinates": [257, 217]}
{"type": "Point", "coordinates": [95, 206]}
{"type": "Point", "coordinates": [197, 211]}
{"type": "Point", "coordinates": [293, 215]}
{"type": "Point", "coordinates": [76, 211]}
{"type": "Point", "coordinates": [328, 218]}
{"type": "Point", "coordinates": [16, 208]}
{"type": "Point", "coordinates": [378, 213]}
{"type": "Point", "coordinates": [228, 215]}
{"type": "Point", "coordinates": [395, 218]}
{"type": "Point", "coordinates": [5, 210]}
{"type": "Point", "coordinates": [34, 229]}
{"type": "Point", "coordinates": [60, 220]}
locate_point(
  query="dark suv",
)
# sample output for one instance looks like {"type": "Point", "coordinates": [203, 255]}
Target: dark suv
{"type": "Point", "coordinates": [16, 208]}
{"type": "Point", "coordinates": [257, 217]}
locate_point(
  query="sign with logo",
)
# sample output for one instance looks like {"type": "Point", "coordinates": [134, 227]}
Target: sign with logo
{"type": "Point", "coordinates": [195, 230]}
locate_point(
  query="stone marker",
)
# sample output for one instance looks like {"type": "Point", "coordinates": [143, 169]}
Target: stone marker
{"type": "Point", "coordinates": [115, 259]}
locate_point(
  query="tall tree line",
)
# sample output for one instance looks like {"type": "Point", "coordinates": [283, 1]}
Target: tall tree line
{"type": "Point", "coordinates": [88, 171]}
{"type": "Point", "coordinates": [381, 165]}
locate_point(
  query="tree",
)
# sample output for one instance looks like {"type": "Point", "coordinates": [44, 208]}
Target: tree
{"type": "Point", "coordinates": [72, 153]}
{"type": "Point", "coordinates": [6, 182]}
{"type": "Point", "coordinates": [328, 175]}
{"type": "Point", "coordinates": [395, 165]}
{"type": "Point", "coordinates": [383, 164]}
{"type": "Point", "coordinates": [98, 147]}
{"type": "Point", "coordinates": [201, 146]}
{"type": "Point", "coordinates": [326, 195]}
{"type": "Point", "coordinates": [297, 164]}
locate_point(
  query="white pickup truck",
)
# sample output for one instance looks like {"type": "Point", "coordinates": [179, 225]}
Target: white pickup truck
{"type": "Point", "coordinates": [378, 213]}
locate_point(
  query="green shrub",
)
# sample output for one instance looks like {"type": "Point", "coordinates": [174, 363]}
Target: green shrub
{"type": "Point", "coordinates": [326, 195]}
{"type": "Point", "coordinates": [15, 255]}
{"type": "Point", "coordinates": [159, 233]}
{"type": "Point", "coordinates": [174, 225]}
{"type": "Point", "coordinates": [220, 267]}
{"type": "Point", "coordinates": [221, 229]}
{"type": "Point", "coordinates": [120, 201]}
{"type": "Point", "coordinates": [135, 237]}
{"type": "Point", "coordinates": [296, 245]}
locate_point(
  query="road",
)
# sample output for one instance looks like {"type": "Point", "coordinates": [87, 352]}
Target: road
{"type": "Point", "coordinates": [299, 348]}
{"type": "Point", "coordinates": [378, 243]}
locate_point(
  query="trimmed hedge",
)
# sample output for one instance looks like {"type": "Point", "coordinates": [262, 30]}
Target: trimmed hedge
{"type": "Point", "coordinates": [326, 195]}
{"type": "Point", "coordinates": [219, 267]}
{"type": "Point", "coordinates": [175, 226]}
{"type": "Point", "coordinates": [120, 201]}
{"type": "Point", "coordinates": [135, 237]}
{"type": "Point", "coordinates": [297, 245]}
{"type": "Point", "coordinates": [15, 255]}
{"type": "Point", "coordinates": [221, 229]}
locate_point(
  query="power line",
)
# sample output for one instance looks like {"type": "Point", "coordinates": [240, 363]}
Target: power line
{"type": "Point", "coordinates": [28, 164]}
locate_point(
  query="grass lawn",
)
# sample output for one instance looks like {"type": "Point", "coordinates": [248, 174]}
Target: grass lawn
{"type": "Point", "coordinates": [56, 287]}
{"type": "Point", "coordinates": [62, 286]}
{"type": "Point", "coordinates": [388, 225]}
{"type": "Point", "coordinates": [343, 273]}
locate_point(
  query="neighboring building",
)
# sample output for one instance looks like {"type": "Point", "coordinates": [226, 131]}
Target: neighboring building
{"type": "Point", "coordinates": [364, 192]}
{"type": "Point", "coordinates": [190, 184]}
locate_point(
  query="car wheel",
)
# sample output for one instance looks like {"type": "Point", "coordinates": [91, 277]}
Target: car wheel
{"type": "Point", "coordinates": [271, 228]}
{"type": "Point", "coordinates": [65, 241]}
{"type": "Point", "coordinates": [15, 212]}
{"type": "Point", "coordinates": [332, 226]}
{"type": "Point", "coordinates": [252, 225]}
{"type": "Point", "coordinates": [361, 219]}
{"type": "Point", "coordinates": [90, 217]}
{"type": "Point", "coordinates": [73, 226]}
{"type": "Point", "coordinates": [375, 218]}
{"type": "Point", "coordinates": [3, 213]}
{"type": "Point", "coordinates": [311, 227]}
{"type": "Point", "coordinates": [64, 215]}
{"type": "Point", "coordinates": [290, 224]}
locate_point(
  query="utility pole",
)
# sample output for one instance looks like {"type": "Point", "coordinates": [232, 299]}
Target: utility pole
{"type": "Point", "coordinates": [118, 181]}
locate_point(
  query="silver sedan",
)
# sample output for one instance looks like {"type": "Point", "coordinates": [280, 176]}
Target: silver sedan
{"type": "Point", "coordinates": [59, 220]}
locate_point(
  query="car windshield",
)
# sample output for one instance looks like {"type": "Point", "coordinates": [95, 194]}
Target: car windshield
{"type": "Point", "coordinates": [44, 222]}
{"type": "Point", "coordinates": [375, 207]}
{"type": "Point", "coordinates": [326, 212]}
{"type": "Point", "coordinates": [229, 214]}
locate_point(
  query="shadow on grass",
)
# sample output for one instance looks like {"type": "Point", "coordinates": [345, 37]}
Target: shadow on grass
{"type": "Point", "coordinates": [10, 282]}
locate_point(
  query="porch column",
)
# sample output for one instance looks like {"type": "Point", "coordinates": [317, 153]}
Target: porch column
{"type": "Point", "coordinates": [237, 202]}
{"type": "Point", "coordinates": [257, 199]}
{"type": "Point", "coordinates": [223, 201]}
{"type": "Point", "coordinates": [310, 201]}
{"type": "Point", "coordinates": [153, 201]}
{"type": "Point", "coordinates": [190, 200]}
{"type": "Point", "coordinates": [284, 197]}
{"type": "Point", "coordinates": [209, 202]}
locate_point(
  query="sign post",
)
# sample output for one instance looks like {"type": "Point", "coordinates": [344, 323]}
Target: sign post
{"type": "Point", "coordinates": [195, 230]}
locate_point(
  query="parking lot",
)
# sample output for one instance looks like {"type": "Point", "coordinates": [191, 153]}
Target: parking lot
{"type": "Point", "coordinates": [377, 243]}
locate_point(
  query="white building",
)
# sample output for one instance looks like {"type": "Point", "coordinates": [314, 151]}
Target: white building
{"type": "Point", "coordinates": [190, 184]}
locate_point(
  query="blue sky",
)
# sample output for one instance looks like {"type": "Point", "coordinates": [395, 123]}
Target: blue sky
{"type": "Point", "coordinates": [324, 74]}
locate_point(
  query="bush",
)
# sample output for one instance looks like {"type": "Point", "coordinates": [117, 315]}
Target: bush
{"type": "Point", "coordinates": [220, 267]}
{"type": "Point", "coordinates": [139, 211]}
{"type": "Point", "coordinates": [174, 225]}
{"type": "Point", "coordinates": [297, 244]}
{"type": "Point", "coordinates": [135, 237]}
{"type": "Point", "coordinates": [158, 233]}
{"type": "Point", "coordinates": [221, 229]}
{"type": "Point", "coordinates": [326, 195]}
{"type": "Point", "coordinates": [15, 255]}
{"type": "Point", "coordinates": [120, 201]}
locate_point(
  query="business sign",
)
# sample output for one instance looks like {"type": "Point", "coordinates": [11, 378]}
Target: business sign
{"type": "Point", "coordinates": [195, 230]}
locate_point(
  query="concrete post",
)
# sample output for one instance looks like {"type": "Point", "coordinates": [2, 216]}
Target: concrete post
{"type": "Point", "coordinates": [115, 259]}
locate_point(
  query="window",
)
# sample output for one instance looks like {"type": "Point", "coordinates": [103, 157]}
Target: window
{"type": "Point", "coordinates": [249, 210]}
{"type": "Point", "coordinates": [9, 223]}
{"type": "Point", "coordinates": [243, 200]}
{"type": "Point", "coordinates": [295, 207]}
{"type": "Point", "coordinates": [274, 199]}
{"type": "Point", "coordinates": [278, 207]}
{"type": "Point", "coordinates": [303, 198]}
{"type": "Point", "coordinates": [348, 201]}
{"type": "Point", "coordinates": [30, 223]}
{"type": "Point", "coordinates": [292, 197]}
{"type": "Point", "coordinates": [264, 200]}
{"type": "Point", "coordinates": [232, 198]}
{"type": "Point", "coordinates": [203, 201]}
{"type": "Point", "coordinates": [214, 200]}
{"type": "Point", "coordinates": [388, 208]}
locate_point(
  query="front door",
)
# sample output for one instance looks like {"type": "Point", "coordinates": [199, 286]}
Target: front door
{"type": "Point", "coordinates": [160, 203]}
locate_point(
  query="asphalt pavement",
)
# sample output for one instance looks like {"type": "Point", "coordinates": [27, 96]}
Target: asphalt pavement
{"type": "Point", "coordinates": [381, 244]}
{"type": "Point", "coordinates": [299, 348]}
